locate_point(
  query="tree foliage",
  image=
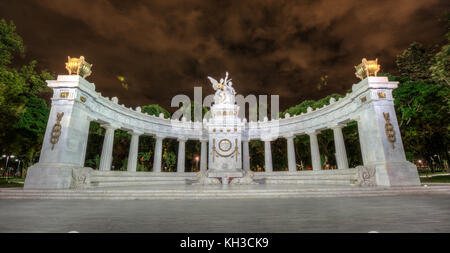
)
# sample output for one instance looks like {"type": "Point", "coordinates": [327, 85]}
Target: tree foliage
{"type": "Point", "coordinates": [440, 68]}
{"type": "Point", "coordinates": [423, 116]}
{"type": "Point", "coordinates": [23, 114]}
{"type": "Point", "coordinates": [10, 42]}
{"type": "Point", "coordinates": [155, 110]}
{"type": "Point", "coordinates": [415, 62]}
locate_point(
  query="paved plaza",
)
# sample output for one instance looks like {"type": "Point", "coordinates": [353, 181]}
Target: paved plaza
{"type": "Point", "coordinates": [407, 213]}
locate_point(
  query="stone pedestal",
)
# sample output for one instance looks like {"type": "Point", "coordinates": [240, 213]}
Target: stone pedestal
{"type": "Point", "coordinates": [65, 140]}
{"type": "Point", "coordinates": [380, 139]}
{"type": "Point", "coordinates": [225, 174]}
{"type": "Point", "coordinates": [225, 130]}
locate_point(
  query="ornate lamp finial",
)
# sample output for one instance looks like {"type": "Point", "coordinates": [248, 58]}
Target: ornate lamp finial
{"type": "Point", "coordinates": [78, 66]}
{"type": "Point", "coordinates": [367, 68]}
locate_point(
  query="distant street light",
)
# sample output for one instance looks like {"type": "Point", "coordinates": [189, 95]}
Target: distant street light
{"type": "Point", "coordinates": [196, 161]}
{"type": "Point", "coordinates": [18, 165]}
{"type": "Point", "coordinates": [6, 166]}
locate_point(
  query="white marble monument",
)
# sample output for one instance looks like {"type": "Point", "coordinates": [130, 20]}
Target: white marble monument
{"type": "Point", "coordinates": [224, 137]}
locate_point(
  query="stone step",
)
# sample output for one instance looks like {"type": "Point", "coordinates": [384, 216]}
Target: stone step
{"type": "Point", "coordinates": [327, 177]}
{"type": "Point", "coordinates": [125, 178]}
{"type": "Point", "coordinates": [308, 172]}
{"type": "Point", "coordinates": [231, 188]}
{"type": "Point", "coordinates": [310, 177]}
{"type": "Point", "coordinates": [105, 183]}
{"type": "Point", "coordinates": [197, 195]}
{"type": "Point", "coordinates": [97, 173]}
{"type": "Point", "coordinates": [309, 181]}
{"type": "Point", "coordinates": [108, 178]}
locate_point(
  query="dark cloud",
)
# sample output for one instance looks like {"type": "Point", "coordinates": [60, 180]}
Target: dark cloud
{"type": "Point", "coordinates": [166, 47]}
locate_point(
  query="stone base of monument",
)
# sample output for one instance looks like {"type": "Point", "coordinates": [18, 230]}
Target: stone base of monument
{"type": "Point", "coordinates": [309, 177]}
{"type": "Point", "coordinates": [195, 192]}
{"type": "Point", "coordinates": [101, 179]}
{"type": "Point", "coordinates": [396, 173]}
{"type": "Point", "coordinates": [225, 174]}
{"type": "Point", "coordinates": [48, 176]}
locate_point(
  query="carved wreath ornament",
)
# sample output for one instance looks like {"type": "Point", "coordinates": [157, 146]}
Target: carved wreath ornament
{"type": "Point", "coordinates": [366, 176]}
{"type": "Point", "coordinates": [389, 128]}
{"type": "Point", "coordinates": [56, 130]}
{"type": "Point", "coordinates": [224, 146]}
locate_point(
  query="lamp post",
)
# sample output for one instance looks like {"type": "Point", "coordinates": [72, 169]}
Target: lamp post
{"type": "Point", "coordinates": [18, 165]}
{"type": "Point", "coordinates": [196, 161]}
{"type": "Point", "coordinates": [6, 166]}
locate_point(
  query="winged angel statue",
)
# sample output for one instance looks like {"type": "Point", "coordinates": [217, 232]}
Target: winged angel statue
{"type": "Point", "coordinates": [224, 90]}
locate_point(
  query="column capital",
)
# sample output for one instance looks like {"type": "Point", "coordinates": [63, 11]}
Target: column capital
{"type": "Point", "coordinates": [204, 139]}
{"type": "Point", "coordinates": [109, 126]}
{"type": "Point", "coordinates": [312, 132]}
{"type": "Point", "coordinates": [136, 132]}
{"type": "Point", "coordinates": [90, 118]}
{"type": "Point", "coordinates": [289, 136]}
{"type": "Point", "coordinates": [338, 125]}
{"type": "Point", "coordinates": [159, 136]}
{"type": "Point", "coordinates": [182, 139]}
{"type": "Point", "coordinates": [268, 138]}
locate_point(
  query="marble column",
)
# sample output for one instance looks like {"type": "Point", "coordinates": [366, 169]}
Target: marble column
{"type": "Point", "coordinates": [157, 154]}
{"type": "Point", "coordinates": [315, 154]}
{"type": "Point", "coordinates": [362, 140]}
{"type": "Point", "coordinates": [85, 140]}
{"type": "Point", "coordinates": [107, 149]}
{"type": "Point", "coordinates": [268, 155]}
{"type": "Point", "coordinates": [133, 152]}
{"type": "Point", "coordinates": [181, 154]}
{"type": "Point", "coordinates": [246, 155]}
{"type": "Point", "coordinates": [204, 155]}
{"type": "Point", "coordinates": [339, 144]}
{"type": "Point", "coordinates": [291, 153]}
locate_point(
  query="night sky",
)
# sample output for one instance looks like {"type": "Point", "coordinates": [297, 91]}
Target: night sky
{"type": "Point", "coordinates": [165, 48]}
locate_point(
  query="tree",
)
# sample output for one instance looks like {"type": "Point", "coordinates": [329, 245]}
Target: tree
{"type": "Point", "coordinates": [415, 63]}
{"type": "Point", "coordinates": [440, 68]}
{"type": "Point", "coordinates": [256, 150]}
{"type": "Point", "coordinates": [423, 113]}
{"type": "Point", "coordinates": [155, 110]}
{"type": "Point", "coordinates": [10, 42]}
{"type": "Point", "coordinates": [303, 106]}
{"type": "Point", "coordinates": [26, 138]}
{"type": "Point", "coordinates": [22, 113]}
